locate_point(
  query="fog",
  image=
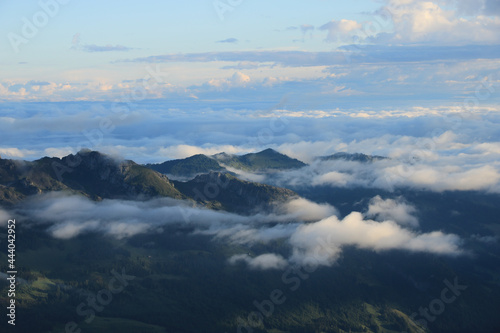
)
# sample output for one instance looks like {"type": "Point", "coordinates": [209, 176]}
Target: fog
{"type": "Point", "coordinates": [311, 231]}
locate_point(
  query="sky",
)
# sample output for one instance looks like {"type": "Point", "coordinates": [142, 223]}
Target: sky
{"type": "Point", "coordinates": [157, 80]}
{"type": "Point", "coordinates": [55, 50]}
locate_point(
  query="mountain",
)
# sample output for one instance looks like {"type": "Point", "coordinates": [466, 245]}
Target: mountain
{"type": "Point", "coordinates": [224, 191]}
{"type": "Point", "coordinates": [99, 176]}
{"type": "Point", "coordinates": [19, 179]}
{"type": "Point", "coordinates": [190, 166]}
{"type": "Point", "coordinates": [268, 159]}
{"type": "Point", "coordinates": [265, 160]}
{"type": "Point", "coordinates": [88, 172]}
{"type": "Point", "coordinates": [357, 157]}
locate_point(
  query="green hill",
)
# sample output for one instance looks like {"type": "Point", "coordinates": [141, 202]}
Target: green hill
{"type": "Point", "coordinates": [99, 176]}
{"type": "Point", "coordinates": [357, 157]}
{"type": "Point", "coordinates": [268, 159]}
{"type": "Point", "coordinates": [88, 172]}
{"type": "Point", "coordinates": [225, 191]}
{"type": "Point", "coordinates": [190, 166]}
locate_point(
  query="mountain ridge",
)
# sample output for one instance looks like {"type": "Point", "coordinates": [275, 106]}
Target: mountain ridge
{"type": "Point", "coordinates": [265, 160]}
{"type": "Point", "coordinates": [355, 157]}
{"type": "Point", "coordinates": [99, 176]}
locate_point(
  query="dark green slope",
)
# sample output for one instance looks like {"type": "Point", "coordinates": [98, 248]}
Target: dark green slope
{"type": "Point", "coordinates": [88, 172]}
{"type": "Point", "coordinates": [190, 166]}
{"type": "Point", "coordinates": [265, 160]}
{"type": "Point", "coordinates": [19, 179]}
{"type": "Point", "coordinates": [225, 191]}
{"type": "Point", "coordinates": [268, 159]}
{"type": "Point", "coordinates": [99, 176]}
{"type": "Point", "coordinates": [356, 157]}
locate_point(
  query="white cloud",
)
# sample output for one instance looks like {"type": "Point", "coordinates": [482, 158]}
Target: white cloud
{"type": "Point", "coordinates": [237, 80]}
{"type": "Point", "coordinates": [446, 161]}
{"type": "Point", "coordinates": [333, 178]}
{"type": "Point", "coordinates": [4, 217]}
{"type": "Point", "coordinates": [15, 153]}
{"type": "Point", "coordinates": [261, 262]}
{"type": "Point", "coordinates": [394, 210]}
{"type": "Point", "coordinates": [306, 210]}
{"type": "Point", "coordinates": [340, 30]}
{"type": "Point", "coordinates": [428, 21]}
{"type": "Point", "coordinates": [70, 229]}
{"type": "Point", "coordinates": [183, 151]}
{"type": "Point", "coordinates": [322, 242]}
{"type": "Point", "coordinates": [66, 217]}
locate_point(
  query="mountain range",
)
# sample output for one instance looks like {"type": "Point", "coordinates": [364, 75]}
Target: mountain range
{"type": "Point", "coordinates": [357, 157]}
{"type": "Point", "coordinates": [263, 161]}
{"type": "Point", "coordinates": [99, 176]}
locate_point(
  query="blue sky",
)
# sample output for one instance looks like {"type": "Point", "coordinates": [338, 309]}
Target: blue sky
{"type": "Point", "coordinates": [151, 28]}
{"type": "Point", "coordinates": [156, 80]}
{"type": "Point", "coordinates": [95, 50]}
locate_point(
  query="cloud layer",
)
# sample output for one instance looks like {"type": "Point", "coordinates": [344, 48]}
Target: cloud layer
{"type": "Point", "coordinates": [320, 240]}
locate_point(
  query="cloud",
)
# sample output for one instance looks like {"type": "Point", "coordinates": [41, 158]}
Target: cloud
{"type": "Point", "coordinates": [439, 163]}
{"type": "Point", "coordinates": [491, 7]}
{"type": "Point", "coordinates": [340, 30]}
{"type": "Point", "coordinates": [485, 239]}
{"type": "Point", "coordinates": [394, 210]}
{"type": "Point", "coordinates": [70, 229]}
{"type": "Point", "coordinates": [4, 217]}
{"type": "Point", "coordinates": [306, 210]}
{"type": "Point", "coordinates": [434, 148]}
{"type": "Point", "coordinates": [105, 48]}
{"type": "Point", "coordinates": [77, 45]}
{"type": "Point", "coordinates": [344, 55]}
{"type": "Point", "coordinates": [333, 178]}
{"type": "Point", "coordinates": [15, 153]}
{"type": "Point", "coordinates": [349, 74]}
{"type": "Point", "coordinates": [429, 22]}
{"type": "Point", "coordinates": [238, 79]}
{"type": "Point", "coordinates": [243, 65]}
{"type": "Point", "coordinates": [295, 58]}
{"type": "Point", "coordinates": [321, 242]}
{"type": "Point", "coordinates": [183, 151]}
{"type": "Point", "coordinates": [306, 28]}
{"type": "Point", "coordinates": [33, 83]}
{"type": "Point", "coordinates": [474, 7]}
{"type": "Point", "coordinates": [261, 262]}
{"type": "Point", "coordinates": [228, 40]}
{"type": "Point", "coordinates": [66, 217]}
